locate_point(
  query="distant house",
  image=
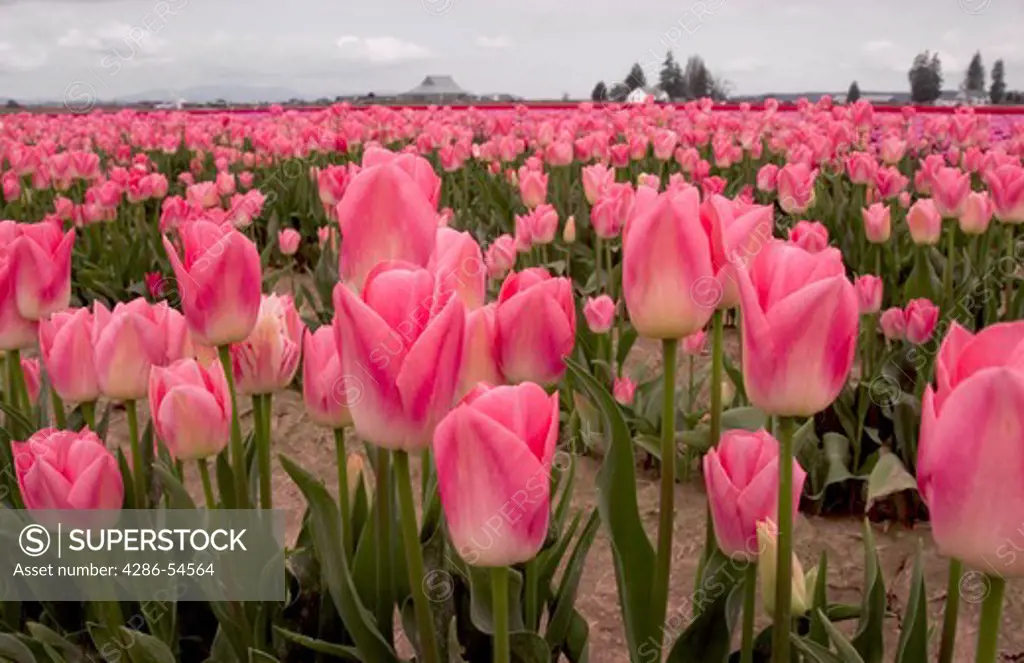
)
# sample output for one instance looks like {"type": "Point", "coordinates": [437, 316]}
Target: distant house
{"type": "Point", "coordinates": [437, 89]}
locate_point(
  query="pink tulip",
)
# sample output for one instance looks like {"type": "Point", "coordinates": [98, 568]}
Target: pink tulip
{"type": "Point", "coordinates": [737, 234]}
{"type": "Point", "coordinates": [921, 318]}
{"type": "Point", "coordinates": [65, 342]}
{"type": "Point", "coordinates": [225, 184]}
{"type": "Point", "coordinates": [533, 187]}
{"type": "Point", "coordinates": [624, 390]}
{"type": "Point", "coordinates": [542, 223]}
{"type": "Point", "coordinates": [767, 177]}
{"type": "Point", "coordinates": [695, 344]}
{"type": "Point", "coordinates": [331, 184]}
{"type": "Point", "coordinates": [33, 383]}
{"type": "Point", "coordinates": [16, 332]}
{"type": "Point", "coordinates": [893, 324]}
{"type": "Point", "coordinates": [869, 294]}
{"type": "Point", "coordinates": [976, 213]}
{"type": "Point", "coordinates": [569, 230]}
{"type": "Point", "coordinates": [742, 480]}
{"type": "Point", "coordinates": [811, 236]}
{"type": "Point", "coordinates": [266, 361]}
{"type": "Point", "coordinates": [596, 179]}
{"type": "Point", "coordinates": [66, 470]}
{"type": "Point", "coordinates": [384, 216]}
{"type": "Point", "coordinates": [416, 167]}
{"type": "Point", "coordinates": [600, 314]}
{"type": "Point", "coordinates": [971, 448]}
{"type": "Point", "coordinates": [861, 168]}
{"type": "Point", "coordinates": [877, 223]}
{"type": "Point", "coordinates": [500, 256]}
{"type": "Point", "coordinates": [288, 241]}
{"type": "Point", "coordinates": [493, 454]}
{"type": "Point", "coordinates": [892, 149]}
{"type": "Point", "coordinates": [925, 222]}
{"type": "Point", "coordinates": [458, 267]}
{"type": "Point", "coordinates": [796, 188]}
{"type": "Point", "coordinates": [536, 326]}
{"type": "Point", "coordinates": [799, 329]}
{"type": "Point", "coordinates": [326, 390]}
{"type": "Point", "coordinates": [1006, 186]}
{"type": "Point", "coordinates": [41, 254]}
{"type": "Point", "coordinates": [190, 407]}
{"type": "Point", "coordinates": [480, 361]}
{"type": "Point", "coordinates": [664, 144]}
{"type": "Point", "coordinates": [203, 194]}
{"type": "Point", "coordinates": [11, 185]}
{"type": "Point", "coordinates": [129, 341]}
{"type": "Point", "coordinates": [404, 344]}
{"type": "Point", "coordinates": [950, 187]}
{"type": "Point", "coordinates": [669, 282]}
{"type": "Point", "coordinates": [219, 280]}
{"type": "Point", "coordinates": [890, 183]}
{"type": "Point", "coordinates": [610, 211]}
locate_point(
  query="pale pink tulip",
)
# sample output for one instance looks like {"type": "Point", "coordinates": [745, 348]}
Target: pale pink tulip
{"type": "Point", "coordinates": [600, 314]}
{"type": "Point", "coordinates": [266, 361]}
{"type": "Point", "coordinates": [65, 342]}
{"type": "Point", "coordinates": [500, 256]}
{"type": "Point", "coordinates": [66, 470]}
{"type": "Point", "coordinates": [877, 223]}
{"type": "Point", "coordinates": [190, 407]}
{"type": "Point", "coordinates": [458, 266]}
{"type": "Point", "coordinates": [796, 188]}
{"type": "Point", "coordinates": [1006, 186]}
{"type": "Point", "coordinates": [41, 255]}
{"type": "Point", "coordinates": [921, 318]}
{"type": "Point", "coordinates": [624, 390]}
{"type": "Point", "coordinates": [869, 294]}
{"type": "Point", "coordinates": [326, 389]}
{"type": "Point", "coordinates": [811, 236]}
{"type": "Point", "coordinates": [976, 213]}
{"type": "Point", "coordinates": [480, 361]}
{"type": "Point", "coordinates": [950, 187]}
{"type": "Point", "coordinates": [925, 222]}
{"type": "Point", "coordinates": [288, 241]}
{"type": "Point", "coordinates": [893, 324]}
{"type": "Point", "coordinates": [536, 326]}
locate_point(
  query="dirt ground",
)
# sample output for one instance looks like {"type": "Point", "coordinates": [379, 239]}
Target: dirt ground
{"type": "Point", "coordinates": [295, 436]}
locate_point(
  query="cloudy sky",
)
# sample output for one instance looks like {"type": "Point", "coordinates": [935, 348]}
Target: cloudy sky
{"type": "Point", "coordinates": [535, 48]}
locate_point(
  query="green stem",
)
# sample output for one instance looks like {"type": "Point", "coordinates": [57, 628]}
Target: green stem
{"type": "Point", "coordinates": [716, 379]}
{"type": "Point", "coordinates": [241, 479]}
{"type": "Point", "coordinates": [1009, 280]}
{"type": "Point", "coordinates": [947, 275]}
{"type": "Point", "coordinates": [414, 560]}
{"type": "Point", "coordinates": [952, 612]}
{"type": "Point", "coordinates": [346, 516]}
{"type": "Point", "coordinates": [991, 613]}
{"type": "Point", "coordinates": [499, 607]}
{"type": "Point", "coordinates": [58, 409]}
{"type": "Point", "coordinates": [89, 414]}
{"type": "Point", "coordinates": [749, 606]}
{"type": "Point", "coordinates": [138, 462]}
{"type": "Point", "coordinates": [19, 395]}
{"type": "Point", "coordinates": [383, 503]}
{"type": "Point", "coordinates": [784, 567]}
{"type": "Point", "coordinates": [530, 599]}
{"type": "Point", "coordinates": [598, 259]}
{"type": "Point", "coordinates": [663, 563]}
{"type": "Point", "coordinates": [204, 473]}
{"type": "Point", "coordinates": [261, 404]}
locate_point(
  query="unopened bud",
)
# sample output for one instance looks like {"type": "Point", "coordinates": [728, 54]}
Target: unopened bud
{"type": "Point", "coordinates": [569, 232]}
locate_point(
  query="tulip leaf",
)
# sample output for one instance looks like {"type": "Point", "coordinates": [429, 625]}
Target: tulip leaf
{"type": "Point", "coordinates": [561, 616]}
{"type": "Point", "coordinates": [527, 647]}
{"type": "Point", "coordinates": [145, 648]}
{"type": "Point", "coordinates": [481, 598]}
{"type": "Point", "coordinates": [364, 571]}
{"type": "Point", "coordinates": [225, 480]}
{"type": "Point", "coordinates": [326, 527]}
{"type": "Point", "coordinates": [126, 479]}
{"type": "Point", "coordinates": [577, 643]}
{"type": "Point", "coordinates": [617, 503]}
{"type": "Point", "coordinates": [627, 339]}
{"type": "Point", "coordinates": [708, 637]}
{"type": "Point", "coordinates": [869, 638]}
{"type": "Point", "coordinates": [847, 651]}
{"type": "Point", "coordinates": [177, 495]}
{"type": "Point", "coordinates": [549, 560]}
{"type": "Point", "coordinates": [888, 478]}
{"type": "Point", "coordinates": [817, 633]}
{"type": "Point", "coordinates": [15, 650]}
{"type": "Point", "coordinates": [50, 638]}
{"type": "Point", "coordinates": [319, 646]}
{"type": "Point", "coordinates": [814, 652]}
{"type": "Point", "coordinates": [257, 656]}
{"type": "Point", "coordinates": [913, 644]}
{"type": "Point", "coordinates": [832, 465]}
{"type": "Point", "coordinates": [736, 376]}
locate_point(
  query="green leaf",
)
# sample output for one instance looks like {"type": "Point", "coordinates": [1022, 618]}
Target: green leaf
{"type": "Point", "coordinates": [577, 646]}
{"type": "Point", "coordinates": [561, 616]}
{"type": "Point", "coordinates": [15, 650]}
{"type": "Point", "coordinates": [50, 638]}
{"type": "Point", "coordinates": [813, 651]}
{"type": "Point", "coordinates": [528, 647]}
{"type": "Point", "coordinates": [888, 478]}
{"type": "Point", "coordinates": [126, 475]}
{"type": "Point", "coordinates": [833, 463]}
{"type": "Point", "coordinates": [481, 600]}
{"type": "Point", "coordinates": [145, 648]}
{"type": "Point", "coordinates": [626, 341]}
{"type": "Point", "coordinates": [257, 656]}
{"type": "Point", "coordinates": [549, 560]}
{"type": "Point", "coordinates": [177, 496]}
{"type": "Point", "coordinates": [708, 637]}
{"type": "Point", "coordinates": [913, 644]}
{"type": "Point", "coordinates": [617, 503]}
{"type": "Point", "coordinates": [225, 480]}
{"type": "Point", "coordinates": [326, 525]}
{"type": "Point", "coordinates": [319, 646]}
{"type": "Point", "coordinates": [869, 639]}
{"type": "Point", "coordinates": [818, 633]}
{"type": "Point", "coordinates": [847, 651]}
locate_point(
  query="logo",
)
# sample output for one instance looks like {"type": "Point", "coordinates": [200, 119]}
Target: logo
{"type": "Point", "coordinates": [34, 540]}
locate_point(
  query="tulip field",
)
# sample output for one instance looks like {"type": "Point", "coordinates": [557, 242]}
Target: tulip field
{"type": "Point", "coordinates": [529, 384]}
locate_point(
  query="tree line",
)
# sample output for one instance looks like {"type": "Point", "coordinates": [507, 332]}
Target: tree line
{"type": "Point", "coordinates": [677, 83]}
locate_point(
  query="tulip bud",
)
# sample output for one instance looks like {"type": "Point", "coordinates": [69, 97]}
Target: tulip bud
{"type": "Point", "coordinates": [925, 222]}
{"type": "Point", "coordinates": [767, 540]}
{"type": "Point", "coordinates": [569, 232]}
{"type": "Point", "coordinates": [921, 317]}
{"type": "Point", "coordinates": [624, 390]}
{"type": "Point", "coordinates": [869, 294]}
{"type": "Point", "coordinates": [893, 324]}
{"type": "Point", "coordinates": [976, 213]}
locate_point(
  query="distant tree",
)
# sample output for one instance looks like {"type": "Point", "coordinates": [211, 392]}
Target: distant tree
{"type": "Point", "coordinates": [600, 92]}
{"type": "Point", "coordinates": [618, 92]}
{"type": "Point", "coordinates": [11, 103]}
{"type": "Point", "coordinates": [974, 79]}
{"type": "Point", "coordinates": [671, 79]}
{"type": "Point", "coordinates": [565, 96]}
{"type": "Point", "coordinates": [636, 78]}
{"type": "Point", "coordinates": [699, 81]}
{"type": "Point", "coordinates": [997, 93]}
{"type": "Point", "coordinates": [853, 94]}
{"type": "Point", "coordinates": [719, 88]}
{"type": "Point", "coordinates": [925, 77]}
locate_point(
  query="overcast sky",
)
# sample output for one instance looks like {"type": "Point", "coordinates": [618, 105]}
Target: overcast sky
{"type": "Point", "coordinates": [532, 48]}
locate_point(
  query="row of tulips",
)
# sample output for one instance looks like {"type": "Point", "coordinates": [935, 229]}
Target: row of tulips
{"type": "Point", "coordinates": [678, 218]}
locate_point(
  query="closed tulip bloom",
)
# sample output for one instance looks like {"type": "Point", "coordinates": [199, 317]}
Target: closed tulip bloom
{"type": "Point", "coordinates": [569, 231]}
{"type": "Point", "coordinates": [533, 187]}
{"type": "Point", "coordinates": [326, 389]}
{"type": "Point", "coordinates": [950, 187]}
{"type": "Point", "coordinates": [384, 216]}
{"type": "Point", "coordinates": [288, 241]}
{"type": "Point", "coordinates": [609, 213]}
{"type": "Point", "coordinates": [596, 179]}
{"type": "Point", "coordinates": [16, 332]}
{"type": "Point", "coordinates": [219, 279]}
{"type": "Point", "coordinates": [41, 255]}
{"type": "Point", "coordinates": [536, 326]}
{"type": "Point", "coordinates": [600, 314]}
{"type": "Point", "coordinates": [65, 342]}
{"type": "Point", "coordinates": [767, 177]}
{"type": "Point", "coordinates": [493, 454]}
{"type": "Point", "coordinates": [267, 360]}
{"type": "Point", "coordinates": [877, 223]}
{"type": "Point", "coordinates": [667, 267]}
{"type": "Point", "coordinates": [1006, 186]}
{"type": "Point", "coordinates": [190, 407]}
{"type": "Point", "coordinates": [129, 341]}
{"type": "Point", "coordinates": [405, 345]}
{"type": "Point", "coordinates": [480, 361]}
{"type": "Point", "coordinates": [800, 318]}
{"type": "Point", "coordinates": [796, 188]}
{"type": "Point", "coordinates": [665, 144]}
{"type": "Point", "coordinates": [543, 225]}
{"type": "Point", "coordinates": [416, 167]}
{"type": "Point", "coordinates": [893, 324]}
{"type": "Point", "coordinates": [624, 390]}
{"type": "Point", "coordinates": [737, 234]}
{"type": "Point", "coordinates": [458, 267]}
{"type": "Point", "coordinates": [59, 469]}
{"type": "Point", "coordinates": [768, 545]}
{"type": "Point", "coordinates": [972, 448]}
{"type": "Point", "coordinates": [33, 383]}
{"type": "Point", "coordinates": [925, 222]}
{"type": "Point", "coordinates": [811, 236]}
{"type": "Point", "coordinates": [893, 149]}
{"type": "Point", "coordinates": [742, 480]}
{"type": "Point", "coordinates": [861, 168]}
{"type": "Point", "coordinates": [921, 318]}
{"type": "Point", "coordinates": [976, 213]}
{"type": "Point", "coordinates": [869, 294]}
{"type": "Point", "coordinates": [695, 343]}
{"type": "Point", "coordinates": [500, 256]}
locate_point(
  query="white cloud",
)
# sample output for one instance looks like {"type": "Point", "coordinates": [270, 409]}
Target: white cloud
{"type": "Point", "coordinates": [745, 65]}
{"type": "Point", "coordinates": [499, 41]}
{"type": "Point", "coordinates": [12, 59]}
{"type": "Point", "coordinates": [117, 42]}
{"type": "Point", "coordinates": [381, 50]}
{"type": "Point", "coordinates": [877, 46]}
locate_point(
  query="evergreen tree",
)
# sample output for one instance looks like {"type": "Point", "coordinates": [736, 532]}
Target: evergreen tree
{"type": "Point", "coordinates": [974, 79]}
{"type": "Point", "coordinates": [600, 92]}
{"type": "Point", "coordinates": [853, 94]}
{"type": "Point", "coordinates": [699, 82]}
{"type": "Point", "coordinates": [671, 79]}
{"type": "Point", "coordinates": [925, 77]}
{"type": "Point", "coordinates": [618, 92]}
{"type": "Point", "coordinates": [635, 78]}
{"type": "Point", "coordinates": [997, 93]}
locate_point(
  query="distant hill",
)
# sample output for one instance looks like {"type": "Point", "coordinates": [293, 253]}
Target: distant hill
{"type": "Point", "coordinates": [202, 94]}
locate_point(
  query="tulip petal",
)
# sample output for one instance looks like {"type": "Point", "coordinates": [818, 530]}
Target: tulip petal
{"type": "Point", "coordinates": [94, 490]}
